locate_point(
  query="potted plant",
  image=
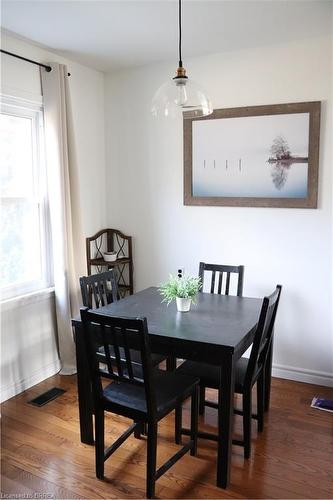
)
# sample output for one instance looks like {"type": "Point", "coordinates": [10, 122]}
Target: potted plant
{"type": "Point", "coordinates": [183, 289]}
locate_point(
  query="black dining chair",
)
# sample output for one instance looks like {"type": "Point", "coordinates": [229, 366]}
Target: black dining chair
{"type": "Point", "coordinates": [137, 391]}
{"type": "Point", "coordinates": [248, 372]}
{"type": "Point", "coordinates": [219, 277]}
{"type": "Point", "coordinates": [99, 290]}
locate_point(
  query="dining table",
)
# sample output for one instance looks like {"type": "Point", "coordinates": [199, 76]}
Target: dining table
{"type": "Point", "coordinates": [217, 330]}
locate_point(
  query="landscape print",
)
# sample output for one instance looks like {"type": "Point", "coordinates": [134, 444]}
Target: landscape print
{"type": "Point", "coordinates": [251, 156]}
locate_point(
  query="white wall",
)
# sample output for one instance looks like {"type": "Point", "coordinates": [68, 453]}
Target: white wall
{"type": "Point", "coordinates": [288, 246]}
{"type": "Point", "coordinates": [28, 341]}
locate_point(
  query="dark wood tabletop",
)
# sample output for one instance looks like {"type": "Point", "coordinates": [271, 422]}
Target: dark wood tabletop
{"type": "Point", "coordinates": [217, 330]}
{"type": "Point", "coordinates": [215, 320]}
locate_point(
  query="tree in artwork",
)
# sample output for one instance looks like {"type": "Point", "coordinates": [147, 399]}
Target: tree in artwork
{"type": "Point", "coordinates": [280, 148]}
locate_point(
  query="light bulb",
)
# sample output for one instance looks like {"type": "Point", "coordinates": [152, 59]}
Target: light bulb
{"type": "Point", "coordinates": [181, 98]}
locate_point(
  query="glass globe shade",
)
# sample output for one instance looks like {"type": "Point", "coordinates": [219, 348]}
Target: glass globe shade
{"type": "Point", "coordinates": [181, 95]}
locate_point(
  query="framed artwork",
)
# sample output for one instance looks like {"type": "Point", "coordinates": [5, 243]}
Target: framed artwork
{"type": "Point", "coordinates": [258, 156]}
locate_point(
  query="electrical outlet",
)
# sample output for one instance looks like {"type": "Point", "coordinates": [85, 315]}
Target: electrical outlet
{"type": "Point", "coordinates": [180, 272]}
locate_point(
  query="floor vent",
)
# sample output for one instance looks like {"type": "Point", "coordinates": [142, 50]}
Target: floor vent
{"type": "Point", "coordinates": [46, 397]}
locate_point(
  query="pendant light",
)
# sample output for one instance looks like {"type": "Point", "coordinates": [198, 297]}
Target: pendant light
{"type": "Point", "coordinates": [180, 94]}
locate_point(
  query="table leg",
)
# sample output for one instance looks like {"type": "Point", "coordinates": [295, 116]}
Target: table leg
{"type": "Point", "coordinates": [83, 389]}
{"type": "Point", "coordinates": [268, 376]}
{"type": "Point", "coordinates": [225, 421]}
{"type": "Point", "coordinates": [171, 363]}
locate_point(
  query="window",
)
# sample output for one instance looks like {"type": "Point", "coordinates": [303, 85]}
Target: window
{"type": "Point", "coordinates": [25, 264]}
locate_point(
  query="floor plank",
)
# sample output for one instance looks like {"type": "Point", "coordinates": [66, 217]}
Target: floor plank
{"type": "Point", "coordinates": [42, 453]}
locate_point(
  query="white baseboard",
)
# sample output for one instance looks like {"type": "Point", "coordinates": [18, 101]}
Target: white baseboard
{"type": "Point", "coordinates": [302, 375]}
{"type": "Point", "coordinates": [280, 371]}
{"type": "Point", "coordinates": [35, 378]}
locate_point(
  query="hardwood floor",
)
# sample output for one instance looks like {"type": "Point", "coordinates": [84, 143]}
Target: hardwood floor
{"type": "Point", "coordinates": [42, 453]}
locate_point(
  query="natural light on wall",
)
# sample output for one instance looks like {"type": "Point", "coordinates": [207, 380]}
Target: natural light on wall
{"type": "Point", "coordinates": [25, 262]}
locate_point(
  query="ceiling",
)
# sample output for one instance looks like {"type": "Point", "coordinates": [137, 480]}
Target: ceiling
{"type": "Point", "coordinates": [109, 35]}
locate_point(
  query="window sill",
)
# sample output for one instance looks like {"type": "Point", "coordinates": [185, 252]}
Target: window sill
{"type": "Point", "coordinates": [26, 299]}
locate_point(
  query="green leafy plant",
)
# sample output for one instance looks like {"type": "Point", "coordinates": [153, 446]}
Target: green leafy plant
{"type": "Point", "coordinates": [185, 287]}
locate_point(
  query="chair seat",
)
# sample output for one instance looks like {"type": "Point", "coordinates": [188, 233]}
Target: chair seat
{"type": "Point", "coordinates": [209, 374]}
{"type": "Point", "coordinates": [156, 359]}
{"type": "Point", "coordinates": [170, 390]}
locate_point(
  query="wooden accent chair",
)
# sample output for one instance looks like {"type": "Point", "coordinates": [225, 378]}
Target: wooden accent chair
{"type": "Point", "coordinates": [220, 276]}
{"type": "Point", "coordinates": [138, 391]}
{"type": "Point", "coordinates": [99, 290]}
{"type": "Point", "coordinates": [248, 372]}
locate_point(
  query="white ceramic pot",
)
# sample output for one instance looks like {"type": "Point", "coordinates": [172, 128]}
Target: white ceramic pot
{"type": "Point", "coordinates": [183, 305]}
{"type": "Point", "coordinates": [110, 256]}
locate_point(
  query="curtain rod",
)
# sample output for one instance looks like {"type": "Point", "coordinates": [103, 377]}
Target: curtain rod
{"type": "Point", "coordinates": [47, 68]}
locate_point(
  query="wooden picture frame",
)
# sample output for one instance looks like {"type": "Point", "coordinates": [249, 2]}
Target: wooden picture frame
{"type": "Point", "coordinates": [263, 177]}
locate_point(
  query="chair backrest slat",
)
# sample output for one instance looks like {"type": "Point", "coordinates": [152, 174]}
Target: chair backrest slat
{"type": "Point", "coordinates": [106, 351]}
{"type": "Point", "coordinates": [240, 281]}
{"type": "Point", "coordinates": [96, 294]}
{"type": "Point", "coordinates": [264, 335]}
{"type": "Point", "coordinates": [108, 290]}
{"type": "Point", "coordinates": [120, 335]}
{"type": "Point", "coordinates": [219, 290]}
{"type": "Point", "coordinates": [116, 351]}
{"type": "Point", "coordinates": [227, 286]}
{"type": "Point", "coordinates": [99, 289]}
{"type": "Point", "coordinates": [212, 285]}
{"type": "Point", "coordinates": [127, 355]}
{"type": "Point", "coordinates": [222, 270]}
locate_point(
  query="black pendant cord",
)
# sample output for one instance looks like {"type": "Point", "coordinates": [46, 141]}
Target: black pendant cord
{"type": "Point", "coordinates": [45, 66]}
{"type": "Point", "coordinates": [180, 32]}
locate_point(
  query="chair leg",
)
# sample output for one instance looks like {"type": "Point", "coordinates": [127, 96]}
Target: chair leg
{"type": "Point", "coordinates": [151, 458]}
{"type": "Point", "coordinates": [194, 421]}
{"type": "Point", "coordinates": [260, 402]}
{"type": "Point", "coordinates": [99, 443]}
{"type": "Point", "coordinates": [247, 416]}
{"type": "Point", "coordinates": [268, 377]}
{"type": "Point", "coordinates": [202, 395]}
{"type": "Point", "coordinates": [141, 430]}
{"type": "Point", "coordinates": [178, 424]}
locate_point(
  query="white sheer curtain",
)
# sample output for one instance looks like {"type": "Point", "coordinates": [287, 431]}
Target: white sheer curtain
{"type": "Point", "coordinates": [66, 226]}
